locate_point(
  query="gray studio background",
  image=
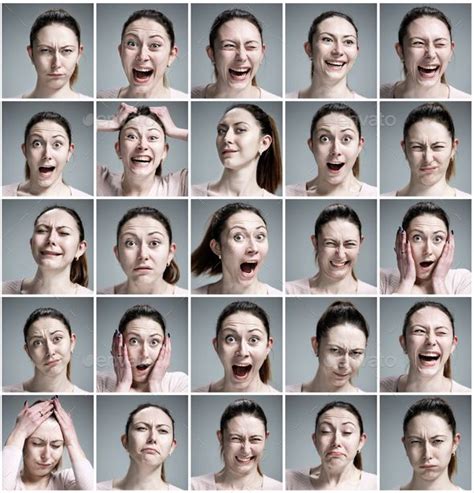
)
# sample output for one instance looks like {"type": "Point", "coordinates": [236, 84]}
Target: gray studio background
{"type": "Point", "coordinates": [363, 76]}
{"type": "Point", "coordinates": [18, 223]}
{"type": "Point", "coordinates": [178, 149]}
{"type": "Point", "coordinates": [458, 73]}
{"type": "Point", "coordinates": [109, 213]}
{"type": "Point", "coordinates": [79, 171]}
{"type": "Point", "coordinates": [270, 273]}
{"type": "Point", "coordinates": [394, 168]}
{"type": "Point", "coordinates": [301, 216]}
{"type": "Point", "coordinates": [112, 414]}
{"type": "Point", "coordinates": [174, 311]}
{"type": "Point", "coordinates": [206, 165]}
{"type": "Point", "coordinates": [80, 407]}
{"type": "Point", "coordinates": [269, 16]}
{"type": "Point", "coordinates": [206, 412]}
{"type": "Point", "coordinates": [300, 164]}
{"type": "Point", "coordinates": [17, 22]}
{"type": "Point", "coordinates": [302, 315]}
{"type": "Point", "coordinates": [301, 414]}
{"type": "Point", "coordinates": [393, 361]}
{"type": "Point", "coordinates": [17, 366]}
{"type": "Point", "coordinates": [391, 216]}
{"type": "Point", "coordinates": [395, 469]}
{"type": "Point", "coordinates": [110, 20]}
{"type": "Point", "coordinates": [206, 365]}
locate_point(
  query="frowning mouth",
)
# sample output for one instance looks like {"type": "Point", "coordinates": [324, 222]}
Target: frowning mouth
{"type": "Point", "coordinates": [49, 253]}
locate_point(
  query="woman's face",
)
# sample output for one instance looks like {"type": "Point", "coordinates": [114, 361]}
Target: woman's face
{"type": "Point", "coordinates": [55, 54]}
{"type": "Point", "coordinates": [47, 150]}
{"type": "Point", "coordinates": [55, 242]}
{"type": "Point", "coordinates": [334, 48]}
{"type": "Point", "coordinates": [239, 139]}
{"type": "Point", "coordinates": [429, 341]}
{"type": "Point", "coordinates": [144, 339]}
{"type": "Point", "coordinates": [146, 53]}
{"type": "Point", "coordinates": [142, 146]}
{"type": "Point", "coordinates": [243, 247]}
{"type": "Point", "coordinates": [429, 444]}
{"type": "Point", "coordinates": [43, 449]}
{"type": "Point", "coordinates": [237, 53]}
{"type": "Point", "coordinates": [243, 443]}
{"type": "Point", "coordinates": [427, 235]}
{"type": "Point", "coordinates": [144, 249]}
{"type": "Point", "coordinates": [150, 438]}
{"type": "Point", "coordinates": [49, 346]}
{"type": "Point", "coordinates": [340, 352]}
{"type": "Point", "coordinates": [429, 148]}
{"type": "Point", "coordinates": [337, 247]}
{"type": "Point", "coordinates": [427, 50]}
{"type": "Point", "coordinates": [335, 145]}
{"type": "Point", "coordinates": [338, 438]}
{"type": "Point", "coordinates": [242, 345]}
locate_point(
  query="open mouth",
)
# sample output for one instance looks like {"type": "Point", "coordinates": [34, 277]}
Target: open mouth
{"type": "Point", "coordinates": [143, 367]}
{"type": "Point", "coordinates": [429, 358]}
{"type": "Point", "coordinates": [142, 75]}
{"type": "Point", "coordinates": [248, 268]}
{"type": "Point", "coordinates": [141, 160]}
{"type": "Point", "coordinates": [239, 73]}
{"type": "Point", "coordinates": [428, 72]}
{"type": "Point", "coordinates": [241, 372]}
{"type": "Point", "coordinates": [335, 166]}
{"type": "Point", "coordinates": [46, 170]}
{"type": "Point", "coordinates": [244, 460]}
{"type": "Point", "coordinates": [339, 264]}
{"type": "Point", "coordinates": [335, 65]}
{"type": "Point", "coordinates": [426, 264]}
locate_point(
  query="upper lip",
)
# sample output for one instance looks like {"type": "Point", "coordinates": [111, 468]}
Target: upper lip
{"type": "Point", "coordinates": [49, 252]}
{"type": "Point", "coordinates": [44, 464]}
{"type": "Point", "coordinates": [56, 73]}
{"type": "Point", "coordinates": [426, 466]}
{"type": "Point", "coordinates": [143, 266]}
{"type": "Point", "coordinates": [338, 452]}
{"type": "Point", "coordinates": [52, 361]}
{"type": "Point", "coordinates": [228, 149]}
{"type": "Point", "coordinates": [342, 374]}
{"type": "Point", "coordinates": [144, 449]}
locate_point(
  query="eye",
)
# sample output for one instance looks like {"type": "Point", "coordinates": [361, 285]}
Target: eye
{"type": "Point", "coordinates": [221, 131]}
{"type": "Point", "coordinates": [63, 233]}
{"type": "Point", "coordinates": [155, 46]}
{"type": "Point", "coordinates": [252, 47]}
{"type": "Point", "coordinates": [347, 433]}
{"type": "Point", "coordinates": [254, 340]}
{"type": "Point", "coordinates": [441, 45]}
{"type": "Point", "coordinates": [415, 442]}
{"type": "Point", "coordinates": [417, 147]}
{"type": "Point", "coordinates": [438, 441]}
{"type": "Point", "coordinates": [349, 42]}
{"type": "Point", "coordinates": [67, 51]}
{"type": "Point", "coordinates": [153, 138]}
{"type": "Point", "coordinates": [235, 439]}
{"type": "Point", "coordinates": [130, 136]}
{"type": "Point", "coordinates": [417, 43]}
{"type": "Point", "coordinates": [36, 143]}
{"type": "Point", "coordinates": [58, 339]}
{"type": "Point", "coordinates": [356, 354]}
{"type": "Point", "coordinates": [439, 147]}
{"type": "Point", "coordinates": [230, 339]}
{"type": "Point", "coordinates": [240, 130]}
{"type": "Point", "coordinates": [57, 145]}
{"type": "Point", "coordinates": [37, 343]}
{"type": "Point", "coordinates": [141, 428]}
{"type": "Point", "coordinates": [133, 341]}
{"type": "Point", "coordinates": [326, 39]}
{"type": "Point", "coordinates": [438, 239]}
{"type": "Point", "coordinates": [419, 331]}
{"type": "Point", "coordinates": [163, 431]}
{"type": "Point", "coordinates": [129, 243]}
{"type": "Point", "coordinates": [324, 139]}
{"type": "Point", "coordinates": [155, 243]}
{"type": "Point", "coordinates": [350, 244]}
{"type": "Point", "coordinates": [56, 446]}
{"type": "Point", "coordinates": [155, 342]}
{"type": "Point", "coordinates": [255, 440]}
{"type": "Point", "coordinates": [329, 243]}
{"type": "Point", "coordinates": [131, 43]}
{"type": "Point", "coordinates": [261, 236]}
{"type": "Point", "coordinates": [228, 46]}
{"type": "Point", "coordinates": [45, 50]}
{"type": "Point", "coordinates": [416, 238]}
{"type": "Point", "coordinates": [238, 237]}
{"type": "Point", "coordinates": [347, 139]}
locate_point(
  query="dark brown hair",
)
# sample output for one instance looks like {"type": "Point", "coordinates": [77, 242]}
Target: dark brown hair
{"type": "Point", "coordinates": [226, 16]}
{"type": "Point", "coordinates": [414, 14]}
{"type": "Point", "coordinates": [447, 372]}
{"type": "Point", "coordinates": [258, 312]}
{"type": "Point", "coordinates": [438, 113]}
{"type": "Point", "coordinates": [347, 406]}
{"type": "Point", "coordinates": [171, 273]}
{"type": "Point", "coordinates": [47, 313]}
{"type": "Point", "coordinates": [141, 311]}
{"type": "Point", "coordinates": [203, 259]}
{"type": "Point", "coordinates": [154, 15]}
{"type": "Point", "coordinates": [269, 162]}
{"type": "Point", "coordinates": [57, 16]}
{"type": "Point", "coordinates": [421, 208]}
{"type": "Point", "coordinates": [342, 109]}
{"type": "Point", "coordinates": [41, 117]}
{"type": "Point", "coordinates": [79, 274]}
{"type": "Point", "coordinates": [340, 313]}
{"type": "Point", "coordinates": [439, 407]}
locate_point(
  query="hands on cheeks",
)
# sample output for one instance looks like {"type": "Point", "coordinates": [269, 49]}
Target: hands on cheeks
{"type": "Point", "coordinates": [443, 265]}
{"type": "Point", "coordinates": [160, 367]}
{"type": "Point", "coordinates": [122, 366]}
{"type": "Point", "coordinates": [405, 262]}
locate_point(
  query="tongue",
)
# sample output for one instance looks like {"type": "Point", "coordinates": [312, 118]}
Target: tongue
{"type": "Point", "coordinates": [241, 371]}
{"type": "Point", "coordinates": [247, 267]}
{"type": "Point", "coordinates": [142, 75]}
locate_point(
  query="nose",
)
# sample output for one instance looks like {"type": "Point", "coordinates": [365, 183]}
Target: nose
{"type": "Point", "coordinates": [428, 247]}
{"type": "Point", "coordinates": [428, 154]}
{"type": "Point", "coordinates": [143, 143]}
{"type": "Point", "coordinates": [47, 152]}
{"type": "Point", "coordinates": [243, 348]}
{"type": "Point", "coordinates": [144, 351]}
{"type": "Point", "coordinates": [431, 337]}
{"type": "Point", "coordinates": [53, 236]}
{"type": "Point", "coordinates": [246, 447]}
{"type": "Point", "coordinates": [336, 438]}
{"type": "Point", "coordinates": [49, 347]}
{"type": "Point", "coordinates": [56, 60]}
{"type": "Point", "coordinates": [340, 250]}
{"type": "Point", "coordinates": [229, 135]}
{"type": "Point", "coordinates": [143, 53]}
{"type": "Point", "coordinates": [336, 147]}
{"type": "Point", "coordinates": [143, 250]}
{"type": "Point", "coordinates": [336, 48]}
{"type": "Point", "coordinates": [344, 360]}
{"type": "Point", "coordinates": [152, 434]}
{"type": "Point", "coordinates": [427, 450]}
{"type": "Point", "coordinates": [430, 50]}
{"type": "Point", "coordinates": [241, 53]}
{"type": "Point", "coordinates": [45, 453]}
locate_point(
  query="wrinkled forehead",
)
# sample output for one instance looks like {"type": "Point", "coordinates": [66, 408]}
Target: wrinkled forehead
{"type": "Point", "coordinates": [428, 424]}
{"type": "Point", "coordinates": [48, 431]}
{"type": "Point", "coordinates": [427, 27]}
{"type": "Point", "coordinates": [245, 220]}
{"type": "Point", "coordinates": [337, 122]}
{"type": "Point", "coordinates": [143, 124]}
{"type": "Point", "coordinates": [46, 325]}
{"type": "Point", "coordinates": [146, 27]}
{"type": "Point", "coordinates": [427, 223]}
{"type": "Point", "coordinates": [47, 128]}
{"type": "Point", "coordinates": [243, 322]}
{"type": "Point", "coordinates": [239, 29]}
{"type": "Point", "coordinates": [429, 129]}
{"type": "Point", "coordinates": [338, 417]}
{"type": "Point", "coordinates": [56, 34]}
{"type": "Point", "coordinates": [145, 225]}
{"type": "Point", "coordinates": [57, 217]}
{"type": "Point", "coordinates": [341, 229]}
{"type": "Point", "coordinates": [144, 326]}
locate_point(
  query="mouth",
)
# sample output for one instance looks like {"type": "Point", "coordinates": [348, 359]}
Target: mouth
{"type": "Point", "coordinates": [426, 264]}
{"type": "Point", "coordinates": [143, 367]}
{"type": "Point", "coordinates": [51, 363]}
{"type": "Point", "coordinates": [45, 466]}
{"type": "Point", "coordinates": [49, 253]}
{"type": "Point", "coordinates": [248, 269]}
{"type": "Point", "coordinates": [239, 74]}
{"type": "Point", "coordinates": [55, 75]}
{"type": "Point", "coordinates": [335, 454]}
{"type": "Point", "coordinates": [428, 169]}
{"type": "Point", "coordinates": [429, 71]}
{"type": "Point", "coordinates": [429, 359]}
{"type": "Point", "coordinates": [46, 171]}
{"type": "Point", "coordinates": [334, 65]}
{"type": "Point", "coordinates": [149, 450]}
{"type": "Point", "coordinates": [141, 160]}
{"type": "Point", "coordinates": [335, 167]}
{"type": "Point", "coordinates": [339, 264]}
{"type": "Point", "coordinates": [142, 269]}
{"type": "Point", "coordinates": [244, 460]}
{"type": "Point", "coordinates": [342, 375]}
{"type": "Point", "coordinates": [142, 76]}
{"type": "Point", "coordinates": [228, 152]}
{"type": "Point", "coordinates": [241, 372]}
{"type": "Point", "coordinates": [428, 466]}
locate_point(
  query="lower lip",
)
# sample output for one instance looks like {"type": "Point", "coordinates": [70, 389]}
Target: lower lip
{"type": "Point", "coordinates": [339, 266]}
{"type": "Point", "coordinates": [240, 78]}
{"type": "Point", "coordinates": [428, 170]}
{"type": "Point", "coordinates": [342, 377]}
{"type": "Point", "coordinates": [429, 76]}
{"type": "Point", "coordinates": [335, 171]}
{"type": "Point", "coordinates": [335, 68]}
{"type": "Point", "coordinates": [149, 451]}
{"type": "Point", "coordinates": [44, 466]}
{"type": "Point", "coordinates": [52, 255]}
{"type": "Point", "coordinates": [335, 455]}
{"type": "Point", "coordinates": [242, 377]}
{"type": "Point", "coordinates": [143, 271]}
{"type": "Point", "coordinates": [246, 276]}
{"type": "Point", "coordinates": [244, 462]}
{"type": "Point", "coordinates": [428, 468]}
{"type": "Point", "coordinates": [426, 268]}
{"type": "Point", "coordinates": [429, 364]}
{"type": "Point", "coordinates": [145, 80]}
{"type": "Point", "coordinates": [52, 363]}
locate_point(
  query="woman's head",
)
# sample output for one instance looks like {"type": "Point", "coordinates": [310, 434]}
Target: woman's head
{"type": "Point", "coordinates": [427, 230]}
{"type": "Point", "coordinates": [332, 45]}
{"type": "Point", "coordinates": [341, 338]}
{"type": "Point", "coordinates": [336, 142]}
{"type": "Point", "coordinates": [243, 343]}
{"type": "Point", "coordinates": [247, 134]}
{"type": "Point", "coordinates": [235, 243]}
{"type": "Point", "coordinates": [147, 48]}
{"type": "Point", "coordinates": [141, 144]}
{"type": "Point", "coordinates": [236, 48]}
{"type": "Point", "coordinates": [428, 338]}
{"type": "Point", "coordinates": [55, 48]}
{"type": "Point", "coordinates": [337, 240]}
{"type": "Point", "coordinates": [429, 143]}
{"type": "Point", "coordinates": [149, 436]}
{"type": "Point", "coordinates": [242, 435]}
{"type": "Point", "coordinates": [425, 45]}
{"type": "Point", "coordinates": [339, 435]}
{"type": "Point", "coordinates": [58, 243]}
{"type": "Point", "coordinates": [145, 248]}
{"type": "Point", "coordinates": [430, 438]}
{"type": "Point", "coordinates": [49, 342]}
{"type": "Point", "coordinates": [143, 329]}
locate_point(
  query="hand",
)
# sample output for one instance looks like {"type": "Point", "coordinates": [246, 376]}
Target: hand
{"type": "Point", "coordinates": [117, 120]}
{"type": "Point", "coordinates": [122, 366]}
{"type": "Point", "coordinates": [171, 129]}
{"type": "Point", "coordinates": [443, 265]}
{"type": "Point", "coordinates": [405, 263]}
{"type": "Point", "coordinates": [160, 367]}
{"type": "Point", "coordinates": [66, 424]}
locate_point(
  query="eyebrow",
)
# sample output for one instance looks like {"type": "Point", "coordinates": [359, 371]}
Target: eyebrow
{"type": "Point", "coordinates": [441, 38]}
{"type": "Point", "coordinates": [344, 423]}
{"type": "Point", "coordinates": [49, 227]}
{"type": "Point", "coordinates": [323, 127]}
{"type": "Point", "coordinates": [160, 425]}
{"type": "Point", "coordinates": [334, 35]}
{"type": "Point", "coordinates": [131, 233]}
{"type": "Point", "coordinates": [255, 329]}
{"type": "Point", "coordinates": [245, 227]}
{"type": "Point", "coordinates": [137, 334]}
{"type": "Point", "coordinates": [342, 347]}
{"type": "Point", "coordinates": [45, 130]}
{"type": "Point", "coordinates": [51, 46]}
{"type": "Point", "coordinates": [434, 232]}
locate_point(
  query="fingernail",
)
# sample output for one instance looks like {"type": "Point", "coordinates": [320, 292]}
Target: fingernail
{"type": "Point", "coordinates": [452, 232]}
{"type": "Point", "coordinates": [400, 229]}
{"type": "Point", "coordinates": [25, 403]}
{"type": "Point", "coordinates": [56, 397]}
{"type": "Point", "coordinates": [169, 335]}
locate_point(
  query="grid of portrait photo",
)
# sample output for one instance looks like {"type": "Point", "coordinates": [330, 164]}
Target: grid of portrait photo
{"type": "Point", "coordinates": [236, 246]}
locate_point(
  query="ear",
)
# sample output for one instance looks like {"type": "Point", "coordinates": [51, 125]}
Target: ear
{"type": "Point", "coordinates": [119, 48]}
{"type": "Point", "coordinates": [23, 149]}
{"type": "Point", "coordinates": [399, 50]}
{"type": "Point", "coordinates": [269, 345]}
{"type": "Point", "coordinates": [456, 440]}
{"type": "Point", "coordinates": [361, 143]}
{"type": "Point", "coordinates": [404, 148]}
{"type": "Point", "coordinates": [265, 143]}
{"type": "Point", "coordinates": [27, 351]}
{"type": "Point", "coordinates": [215, 247]}
{"type": "Point", "coordinates": [30, 52]}
{"type": "Point", "coordinates": [219, 436]}
{"type": "Point", "coordinates": [171, 252]}
{"type": "Point", "coordinates": [310, 144]}
{"type": "Point", "coordinates": [73, 341]}
{"type": "Point", "coordinates": [117, 149]}
{"type": "Point", "coordinates": [404, 443]}
{"type": "Point", "coordinates": [455, 343]}
{"type": "Point", "coordinates": [173, 55]}
{"type": "Point", "coordinates": [116, 253]}
{"type": "Point", "coordinates": [81, 51]}
{"type": "Point", "coordinates": [210, 53]}
{"type": "Point", "coordinates": [453, 45]}
{"type": "Point", "coordinates": [81, 249]}
{"type": "Point", "coordinates": [71, 151]}
{"type": "Point", "coordinates": [214, 343]}
{"type": "Point", "coordinates": [403, 343]}
{"type": "Point", "coordinates": [165, 153]}
{"type": "Point", "coordinates": [173, 446]}
{"type": "Point", "coordinates": [313, 437]}
{"type": "Point", "coordinates": [314, 241]}
{"type": "Point", "coordinates": [455, 147]}
{"type": "Point", "coordinates": [308, 49]}
{"type": "Point", "coordinates": [315, 345]}
{"type": "Point", "coordinates": [362, 440]}
{"type": "Point", "coordinates": [124, 441]}
{"type": "Point", "coordinates": [362, 238]}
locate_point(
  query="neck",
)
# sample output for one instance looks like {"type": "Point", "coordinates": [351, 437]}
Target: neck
{"type": "Point", "coordinates": [350, 186]}
{"type": "Point", "coordinates": [251, 480]}
{"type": "Point", "coordinates": [140, 477]}
{"type": "Point", "coordinates": [136, 185]}
{"type": "Point", "coordinates": [440, 189]}
{"type": "Point", "coordinates": [58, 188]}
{"type": "Point", "coordinates": [157, 91]}
{"type": "Point", "coordinates": [229, 286]}
{"type": "Point", "coordinates": [330, 286]}
{"type": "Point", "coordinates": [323, 87]}
{"type": "Point", "coordinates": [411, 89]}
{"type": "Point", "coordinates": [43, 91]}
{"type": "Point", "coordinates": [227, 385]}
{"type": "Point", "coordinates": [242, 182]}
{"type": "Point", "coordinates": [155, 287]}
{"type": "Point", "coordinates": [52, 282]}
{"type": "Point", "coordinates": [442, 482]}
{"type": "Point", "coordinates": [222, 90]}
{"type": "Point", "coordinates": [335, 477]}
{"type": "Point", "coordinates": [43, 383]}
{"type": "Point", "coordinates": [321, 383]}
{"type": "Point", "coordinates": [35, 482]}
{"type": "Point", "coordinates": [416, 382]}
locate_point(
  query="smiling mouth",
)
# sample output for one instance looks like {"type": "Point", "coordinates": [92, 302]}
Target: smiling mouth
{"type": "Point", "coordinates": [239, 74]}
{"type": "Point", "coordinates": [429, 358]}
{"type": "Point", "coordinates": [142, 75]}
{"type": "Point", "coordinates": [335, 166]}
{"type": "Point", "coordinates": [429, 71]}
{"type": "Point", "coordinates": [339, 265]}
{"type": "Point", "coordinates": [241, 372]}
{"type": "Point", "coordinates": [244, 460]}
{"type": "Point", "coordinates": [143, 160]}
{"type": "Point", "coordinates": [342, 375]}
{"type": "Point", "coordinates": [337, 65]}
